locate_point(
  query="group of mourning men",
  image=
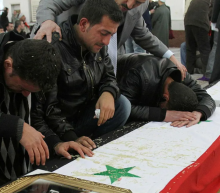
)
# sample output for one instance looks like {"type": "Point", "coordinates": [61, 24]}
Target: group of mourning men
{"type": "Point", "coordinates": [72, 76]}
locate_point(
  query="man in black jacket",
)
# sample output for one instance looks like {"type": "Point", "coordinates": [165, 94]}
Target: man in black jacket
{"type": "Point", "coordinates": [86, 82]}
{"type": "Point", "coordinates": [153, 86]}
{"type": "Point", "coordinates": [26, 66]}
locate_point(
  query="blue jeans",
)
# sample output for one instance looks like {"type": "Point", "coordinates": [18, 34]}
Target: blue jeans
{"type": "Point", "coordinates": [211, 60]}
{"type": "Point", "coordinates": [86, 125]}
{"type": "Point", "coordinates": [132, 47]}
{"type": "Point", "coordinates": [183, 53]}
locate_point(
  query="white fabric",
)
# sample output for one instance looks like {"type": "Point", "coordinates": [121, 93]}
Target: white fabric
{"type": "Point", "coordinates": [157, 150]}
{"type": "Point", "coordinates": [112, 51]}
{"type": "Point", "coordinates": [214, 92]}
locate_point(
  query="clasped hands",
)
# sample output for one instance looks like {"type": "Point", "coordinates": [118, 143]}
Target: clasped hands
{"type": "Point", "coordinates": [182, 118]}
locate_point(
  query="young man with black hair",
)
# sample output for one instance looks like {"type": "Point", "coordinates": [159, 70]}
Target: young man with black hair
{"type": "Point", "coordinates": [9, 27]}
{"type": "Point", "coordinates": [26, 66]}
{"type": "Point", "coordinates": [154, 88]}
{"type": "Point", "coordinates": [87, 81]}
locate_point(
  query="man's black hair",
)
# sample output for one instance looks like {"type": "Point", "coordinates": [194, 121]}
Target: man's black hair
{"type": "Point", "coordinates": [94, 10]}
{"type": "Point", "coordinates": [35, 61]}
{"type": "Point", "coordinates": [17, 23]}
{"type": "Point", "coordinates": [181, 97]}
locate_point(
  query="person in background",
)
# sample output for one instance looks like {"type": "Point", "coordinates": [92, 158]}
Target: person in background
{"type": "Point", "coordinates": [216, 21]}
{"type": "Point", "coordinates": [19, 27]}
{"type": "Point", "coordinates": [197, 28]}
{"type": "Point", "coordinates": [1, 30]}
{"type": "Point", "coordinates": [4, 18]}
{"type": "Point", "coordinates": [10, 27]}
{"type": "Point", "coordinates": [161, 22]}
{"type": "Point", "coordinates": [26, 29]}
{"type": "Point", "coordinates": [14, 17]}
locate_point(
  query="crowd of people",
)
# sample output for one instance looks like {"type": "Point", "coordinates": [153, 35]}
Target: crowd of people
{"type": "Point", "coordinates": [17, 24]}
{"type": "Point", "coordinates": [71, 72]}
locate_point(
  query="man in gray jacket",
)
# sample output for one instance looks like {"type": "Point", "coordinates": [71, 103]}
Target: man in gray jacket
{"type": "Point", "coordinates": [133, 26]}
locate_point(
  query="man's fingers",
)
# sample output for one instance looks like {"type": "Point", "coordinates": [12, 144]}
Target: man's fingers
{"type": "Point", "coordinates": [49, 37]}
{"type": "Point", "coordinates": [101, 117]}
{"type": "Point", "coordinates": [37, 156]}
{"type": "Point", "coordinates": [31, 155]}
{"type": "Point", "coordinates": [191, 123]}
{"type": "Point", "coordinates": [42, 155]}
{"type": "Point", "coordinates": [64, 153]}
{"type": "Point", "coordinates": [59, 31]}
{"type": "Point", "coordinates": [78, 149]}
{"type": "Point", "coordinates": [45, 147]}
{"type": "Point", "coordinates": [91, 142]}
{"type": "Point", "coordinates": [86, 144]}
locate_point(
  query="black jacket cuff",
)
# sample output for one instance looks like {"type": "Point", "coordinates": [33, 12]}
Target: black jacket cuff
{"type": "Point", "coordinates": [69, 136]}
{"type": "Point", "coordinates": [9, 126]}
{"type": "Point", "coordinates": [157, 114]}
{"type": "Point", "coordinates": [51, 141]}
{"type": "Point", "coordinates": [205, 112]}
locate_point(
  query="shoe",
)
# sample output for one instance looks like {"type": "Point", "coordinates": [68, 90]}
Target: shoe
{"type": "Point", "coordinates": [204, 79]}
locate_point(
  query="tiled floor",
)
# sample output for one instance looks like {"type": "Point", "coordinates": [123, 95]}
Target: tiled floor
{"type": "Point", "coordinates": [176, 51]}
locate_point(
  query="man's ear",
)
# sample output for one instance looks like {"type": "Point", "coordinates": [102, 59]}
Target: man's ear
{"type": "Point", "coordinates": [8, 65]}
{"type": "Point", "coordinates": [83, 24]}
{"type": "Point", "coordinates": [166, 97]}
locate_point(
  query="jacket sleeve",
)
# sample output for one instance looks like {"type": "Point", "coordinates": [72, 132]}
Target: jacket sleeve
{"type": "Point", "coordinates": [108, 81]}
{"type": "Point", "coordinates": [206, 104]}
{"type": "Point", "coordinates": [48, 9]}
{"type": "Point", "coordinates": [46, 118]}
{"type": "Point", "coordinates": [11, 126]}
{"type": "Point", "coordinates": [144, 38]}
{"type": "Point", "coordinates": [130, 87]}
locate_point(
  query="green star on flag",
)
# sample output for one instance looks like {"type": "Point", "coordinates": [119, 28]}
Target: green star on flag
{"type": "Point", "coordinates": [114, 173]}
{"type": "Point", "coordinates": [205, 121]}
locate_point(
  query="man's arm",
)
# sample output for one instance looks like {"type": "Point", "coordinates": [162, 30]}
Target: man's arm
{"type": "Point", "coordinates": [130, 86]}
{"type": "Point", "coordinates": [108, 90]}
{"type": "Point", "coordinates": [13, 127]}
{"type": "Point", "coordinates": [144, 38]}
{"type": "Point", "coordinates": [46, 13]}
{"type": "Point", "coordinates": [45, 115]}
{"type": "Point", "coordinates": [49, 9]}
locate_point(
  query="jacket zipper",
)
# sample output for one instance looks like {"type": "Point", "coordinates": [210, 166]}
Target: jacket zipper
{"type": "Point", "coordinates": [90, 74]}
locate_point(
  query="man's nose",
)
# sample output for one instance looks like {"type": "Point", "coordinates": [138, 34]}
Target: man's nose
{"type": "Point", "coordinates": [25, 93]}
{"type": "Point", "coordinates": [106, 40]}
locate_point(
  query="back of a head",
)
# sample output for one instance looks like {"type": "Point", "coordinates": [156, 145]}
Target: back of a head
{"type": "Point", "coordinates": [181, 97]}
{"type": "Point", "coordinates": [35, 61]}
{"type": "Point", "coordinates": [94, 10]}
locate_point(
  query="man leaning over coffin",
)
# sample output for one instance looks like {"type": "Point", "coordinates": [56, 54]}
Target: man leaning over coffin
{"type": "Point", "coordinates": [153, 86]}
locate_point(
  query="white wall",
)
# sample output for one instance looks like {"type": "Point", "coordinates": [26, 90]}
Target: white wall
{"type": "Point", "coordinates": [177, 8]}
{"type": "Point", "coordinates": [24, 7]}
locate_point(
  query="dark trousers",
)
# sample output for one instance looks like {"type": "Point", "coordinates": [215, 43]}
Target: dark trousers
{"type": "Point", "coordinates": [196, 39]}
{"type": "Point", "coordinates": [86, 125]}
{"type": "Point", "coordinates": [216, 69]}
